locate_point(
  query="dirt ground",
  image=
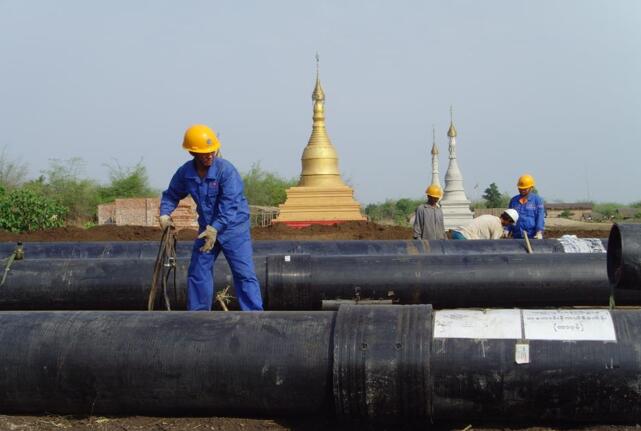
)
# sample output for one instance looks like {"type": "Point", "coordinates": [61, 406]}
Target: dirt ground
{"type": "Point", "coordinates": [342, 231]}
{"type": "Point", "coordinates": [345, 231]}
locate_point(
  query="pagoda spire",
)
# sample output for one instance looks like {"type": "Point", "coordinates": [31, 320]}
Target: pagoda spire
{"type": "Point", "coordinates": [435, 173]}
{"type": "Point", "coordinates": [321, 196]}
{"type": "Point", "coordinates": [455, 204]}
{"type": "Point", "coordinates": [319, 160]}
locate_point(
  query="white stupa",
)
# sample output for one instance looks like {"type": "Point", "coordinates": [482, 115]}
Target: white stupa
{"type": "Point", "coordinates": [455, 204]}
{"type": "Point", "coordinates": [435, 173]}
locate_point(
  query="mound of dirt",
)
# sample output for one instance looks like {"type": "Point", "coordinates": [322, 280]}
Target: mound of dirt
{"type": "Point", "coordinates": [97, 233]}
{"type": "Point", "coordinates": [342, 231]}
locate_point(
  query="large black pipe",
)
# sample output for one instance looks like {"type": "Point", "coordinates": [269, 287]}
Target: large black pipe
{"type": "Point", "coordinates": [145, 249]}
{"type": "Point", "coordinates": [97, 284]}
{"type": "Point", "coordinates": [376, 364]}
{"type": "Point", "coordinates": [624, 256]}
{"type": "Point", "coordinates": [303, 282]}
{"type": "Point", "coordinates": [545, 280]}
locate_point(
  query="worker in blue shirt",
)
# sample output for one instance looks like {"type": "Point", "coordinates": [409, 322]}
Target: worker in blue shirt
{"type": "Point", "coordinates": [223, 220]}
{"type": "Point", "coordinates": [531, 211]}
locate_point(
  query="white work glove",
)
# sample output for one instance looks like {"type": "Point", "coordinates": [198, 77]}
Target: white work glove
{"type": "Point", "coordinates": [165, 221]}
{"type": "Point", "coordinates": [539, 235]}
{"type": "Point", "coordinates": [210, 233]}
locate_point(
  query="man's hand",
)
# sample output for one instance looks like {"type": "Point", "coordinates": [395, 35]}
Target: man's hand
{"type": "Point", "coordinates": [210, 233]}
{"type": "Point", "coordinates": [165, 221]}
{"type": "Point", "coordinates": [539, 235]}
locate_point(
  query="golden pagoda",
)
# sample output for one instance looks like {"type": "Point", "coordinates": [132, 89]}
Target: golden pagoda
{"type": "Point", "coordinates": [321, 196]}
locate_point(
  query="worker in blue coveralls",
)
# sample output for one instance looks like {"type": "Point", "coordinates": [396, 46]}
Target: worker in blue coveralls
{"type": "Point", "coordinates": [531, 211]}
{"type": "Point", "coordinates": [223, 220]}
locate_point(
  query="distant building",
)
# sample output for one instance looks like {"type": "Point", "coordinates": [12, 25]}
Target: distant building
{"type": "Point", "coordinates": [574, 211]}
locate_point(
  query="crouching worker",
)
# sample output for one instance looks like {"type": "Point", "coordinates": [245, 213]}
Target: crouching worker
{"type": "Point", "coordinates": [223, 220]}
{"type": "Point", "coordinates": [487, 226]}
{"type": "Point", "coordinates": [428, 219]}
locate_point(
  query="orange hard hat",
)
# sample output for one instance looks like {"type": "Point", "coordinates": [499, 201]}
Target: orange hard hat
{"type": "Point", "coordinates": [434, 191]}
{"type": "Point", "coordinates": [200, 139]}
{"type": "Point", "coordinates": [525, 181]}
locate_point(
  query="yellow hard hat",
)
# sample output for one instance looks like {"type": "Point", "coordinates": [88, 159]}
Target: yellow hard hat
{"type": "Point", "coordinates": [200, 139]}
{"type": "Point", "coordinates": [525, 181]}
{"type": "Point", "coordinates": [434, 191]}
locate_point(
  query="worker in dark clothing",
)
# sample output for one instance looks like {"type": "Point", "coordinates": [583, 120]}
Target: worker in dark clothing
{"type": "Point", "coordinates": [223, 220]}
{"type": "Point", "coordinates": [531, 210]}
{"type": "Point", "coordinates": [428, 219]}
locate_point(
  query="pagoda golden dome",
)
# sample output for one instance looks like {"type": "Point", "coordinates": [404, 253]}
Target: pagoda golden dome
{"type": "Point", "coordinates": [319, 160]}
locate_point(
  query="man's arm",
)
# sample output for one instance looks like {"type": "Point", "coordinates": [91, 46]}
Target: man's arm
{"type": "Point", "coordinates": [174, 194]}
{"type": "Point", "coordinates": [231, 187]}
{"type": "Point", "coordinates": [540, 216]}
{"type": "Point", "coordinates": [440, 224]}
{"type": "Point", "coordinates": [497, 231]}
{"type": "Point", "coordinates": [418, 223]}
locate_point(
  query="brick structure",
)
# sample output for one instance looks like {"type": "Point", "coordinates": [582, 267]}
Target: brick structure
{"type": "Point", "coordinates": [145, 212]}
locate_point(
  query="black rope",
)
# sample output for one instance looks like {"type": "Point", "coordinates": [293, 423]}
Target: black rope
{"type": "Point", "coordinates": [164, 266]}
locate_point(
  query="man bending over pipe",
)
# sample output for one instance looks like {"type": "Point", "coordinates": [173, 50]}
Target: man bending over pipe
{"type": "Point", "coordinates": [223, 220]}
{"type": "Point", "coordinates": [486, 226]}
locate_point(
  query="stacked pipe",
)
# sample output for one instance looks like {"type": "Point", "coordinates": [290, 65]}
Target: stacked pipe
{"type": "Point", "coordinates": [306, 282]}
{"type": "Point", "coordinates": [378, 364]}
{"type": "Point", "coordinates": [149, 249]}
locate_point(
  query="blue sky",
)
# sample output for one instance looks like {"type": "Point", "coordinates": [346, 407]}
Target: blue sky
{"type": "Point", "coordinates": [546, 87]}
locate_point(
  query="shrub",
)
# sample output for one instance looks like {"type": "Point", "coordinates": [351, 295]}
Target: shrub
{"type": "Point", "coordinates": [24, 210]}
{"type": "Point", "coordinates": [265, 188]}
{"type": "Point", "coordinates": [127, 182]}
{"type": "Point", "coordinates": [608, 209]}
{"type": "Point", "coordinates": [394, 212]}
{"type": "Point", "coordinates": [566, 214]}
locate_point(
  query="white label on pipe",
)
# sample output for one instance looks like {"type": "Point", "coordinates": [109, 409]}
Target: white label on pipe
{"type": "Point", "coordinates": [522, 353]}
{"type": "Point", "coordinates": [569, 325]}
{"type": "Point", "coordinates": [477, 324]}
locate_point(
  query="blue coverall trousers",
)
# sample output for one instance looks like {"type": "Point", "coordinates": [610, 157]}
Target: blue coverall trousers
{"type": "Point", "coordinates": [238, 251]}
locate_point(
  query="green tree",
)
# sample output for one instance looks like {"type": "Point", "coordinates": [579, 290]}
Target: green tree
{"type": "Point", "coordinates": [24, 210]}
{"type": "Point", "coordinates": [12, 173]}
{"type": "Point", "coordinates": [126, 182]}
{"type": "Point", "coordinates": [396, 212]}
{"type": "Point", "coordinates": [265, 188]}
{"type": "Point", "coordinates": [492, 196]}
{"type": "Point", "coordinates": [64, 181]}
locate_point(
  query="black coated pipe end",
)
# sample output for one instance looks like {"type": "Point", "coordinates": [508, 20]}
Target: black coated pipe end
{"type": "Point", "coordinates": [624, 256]}
{"type": "Point", "coordinates": [289, 283]}
{"type": "Point", "coordinates": [381, 363]}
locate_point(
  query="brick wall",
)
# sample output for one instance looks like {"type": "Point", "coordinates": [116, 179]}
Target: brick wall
{"type": "Point", "coordinates": [145, 212]}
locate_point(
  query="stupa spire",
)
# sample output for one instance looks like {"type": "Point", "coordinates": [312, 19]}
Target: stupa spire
{"type": "Point", "coordinates": [319, 160]}
{"type": "Point", "coordinates": [321, 196]}
{"type": "Point", "coordinates": [452, 131]}
{"type": "Point", "coordinates": [455, 204]}
{"type": "Point", "coordinates": [435, 173]}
